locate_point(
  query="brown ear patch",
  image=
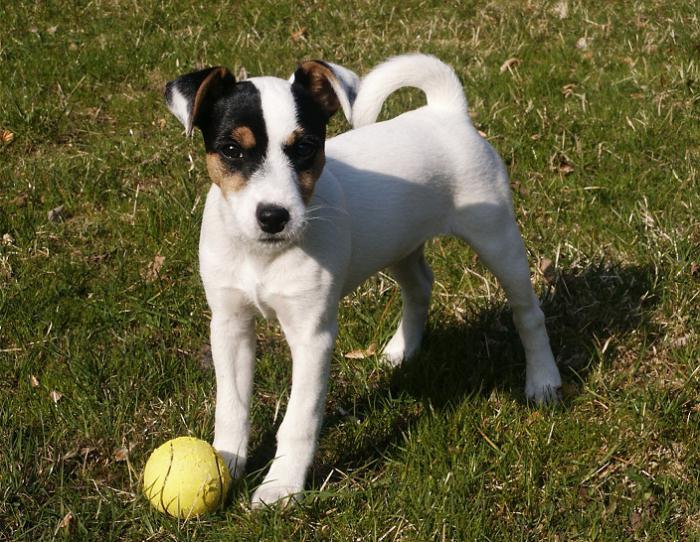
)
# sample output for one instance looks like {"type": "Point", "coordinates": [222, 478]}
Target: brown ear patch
{"type": "Point", "coordinates": [244, 136]}
{"type": "Point", "coordinates": [211, 85]}
{"type": "Point", "coordinates": [221, 176]}
{"type": "Point", "coordinates": [317, 82]}
{"type": "Point", "coordinates": [308, 177]}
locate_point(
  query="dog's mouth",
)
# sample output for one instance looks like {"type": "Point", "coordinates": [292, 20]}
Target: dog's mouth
{"type": "Point", "coordinates": [273, 240]}
{"type": "Point", "coordinates": [289, 236]}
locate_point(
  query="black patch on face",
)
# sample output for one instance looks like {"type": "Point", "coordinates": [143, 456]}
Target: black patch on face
{"type": "Point", "coordinates": [312, 120]}
{"type": "Point", "coordinates": [239, 105]}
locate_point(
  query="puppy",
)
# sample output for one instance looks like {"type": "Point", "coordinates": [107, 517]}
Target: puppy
{"type": "Point", "coordinates": [293, 223]}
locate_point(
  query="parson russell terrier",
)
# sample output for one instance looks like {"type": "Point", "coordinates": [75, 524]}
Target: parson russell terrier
{"type": "Point", "coordinates": [293, 223]}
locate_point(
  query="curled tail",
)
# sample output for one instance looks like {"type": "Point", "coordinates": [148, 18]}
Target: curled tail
{"type": "Point", "coordinates": [435, 78]}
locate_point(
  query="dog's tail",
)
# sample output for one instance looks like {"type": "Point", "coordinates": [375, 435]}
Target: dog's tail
{"type": "Point", "coordinates": [435, 78]}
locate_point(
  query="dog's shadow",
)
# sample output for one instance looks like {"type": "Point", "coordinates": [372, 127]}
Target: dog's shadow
{"type": "Point", "coordinates": [589, 311]}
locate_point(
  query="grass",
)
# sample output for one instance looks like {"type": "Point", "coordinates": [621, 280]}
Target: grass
{"type": "Point", "coordinates": [103, 322]}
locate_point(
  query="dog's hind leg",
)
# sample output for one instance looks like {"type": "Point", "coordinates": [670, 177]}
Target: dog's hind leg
{"type": "Point", "coordinates": [416, 281]}
{"type": "Point", "coordinates": [493, 233]}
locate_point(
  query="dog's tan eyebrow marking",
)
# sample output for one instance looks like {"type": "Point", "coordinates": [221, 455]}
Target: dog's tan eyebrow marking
{"type": "Point", "coordinates": [294, 137]}
{"type": "Point", "coordinates": [220, 175]}
{"type": "Point", "coordinates": [244, 136]}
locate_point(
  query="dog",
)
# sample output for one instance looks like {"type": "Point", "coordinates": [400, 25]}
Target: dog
{"type": "Point", "coordinates": [293, 222]}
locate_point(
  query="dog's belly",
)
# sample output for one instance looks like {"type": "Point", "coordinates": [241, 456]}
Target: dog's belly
{"type": "Point", "coordinates": [388, 228]}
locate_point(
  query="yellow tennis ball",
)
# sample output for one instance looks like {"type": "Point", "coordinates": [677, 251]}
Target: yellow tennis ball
{"type": "Point", "coordinates": [186, 477]}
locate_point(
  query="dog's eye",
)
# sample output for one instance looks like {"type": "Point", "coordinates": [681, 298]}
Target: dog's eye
{"type": "Point", "coordinates": [305, 148]}
{"type": "Point", "coordinates": [232, 151]}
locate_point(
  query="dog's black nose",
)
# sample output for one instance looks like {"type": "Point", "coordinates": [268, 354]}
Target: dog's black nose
{"type": "Point", "coordinates": [271, 218]}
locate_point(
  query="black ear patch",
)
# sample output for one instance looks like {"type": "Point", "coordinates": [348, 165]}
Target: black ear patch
{"type": "Point", "coordinates": [190, 96]}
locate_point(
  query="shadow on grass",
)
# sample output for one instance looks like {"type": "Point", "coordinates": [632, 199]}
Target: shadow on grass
{"type": "Point", "coordinates": [585, 309]}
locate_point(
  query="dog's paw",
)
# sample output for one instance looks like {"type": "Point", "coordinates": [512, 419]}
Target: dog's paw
{"type": "Point", "coordinates": [545, 395]}
{"type": "Point", "coordinates": [396, 352]}
{"type": "Point", "coordinates": [391, 358]}
{"type": "Point", "coordinates": [543, 384]}
{"type": "Point", "coordinates": [544, 390]}
{"type": "Point", "coordinates": [273, 494]}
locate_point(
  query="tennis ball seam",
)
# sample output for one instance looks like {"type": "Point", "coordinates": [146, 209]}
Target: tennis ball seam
{"type": "Point", "coordinates": [221, 482]}
{"type": "Point", "coordinates": [165, 480]}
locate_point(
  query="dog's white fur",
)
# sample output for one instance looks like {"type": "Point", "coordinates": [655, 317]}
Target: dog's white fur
{"type": "Point", "coordinates": [386, 188]}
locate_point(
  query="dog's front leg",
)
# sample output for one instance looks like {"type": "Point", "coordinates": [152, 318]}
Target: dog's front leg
{"type": "Point", "coordinates": [233, 351]}
{"type": "Point", "coordinates": [311, 342]}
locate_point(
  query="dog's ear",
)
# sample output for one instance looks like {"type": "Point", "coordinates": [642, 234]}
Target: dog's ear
{"type": "Point", "coordinates": [191, 95]}
{"type": "Point", "coordinates": [330, 85]}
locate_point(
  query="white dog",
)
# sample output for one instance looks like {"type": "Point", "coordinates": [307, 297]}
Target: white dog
{"type": "Point", "coordinates": [289, 229]}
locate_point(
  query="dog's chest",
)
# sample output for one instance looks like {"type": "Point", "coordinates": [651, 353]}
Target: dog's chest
{"type": "Point", "coordinates": [226, 274]}
{"type": "Point", "coordinates": [252, 285]}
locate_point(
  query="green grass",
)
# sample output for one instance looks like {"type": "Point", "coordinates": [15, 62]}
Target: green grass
{"type": "Point", "coordinates": [601, 136]}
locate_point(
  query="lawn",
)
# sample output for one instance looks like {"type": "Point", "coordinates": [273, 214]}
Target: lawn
{"type": "Point", "coordinates": [595, 107]}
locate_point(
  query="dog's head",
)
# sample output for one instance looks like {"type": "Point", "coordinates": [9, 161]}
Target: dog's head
{"type": "Point", "coordinates": [264, 140]}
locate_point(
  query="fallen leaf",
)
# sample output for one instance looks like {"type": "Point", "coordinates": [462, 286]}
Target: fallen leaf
{"type": "Point", "coordinates": [362, 354]}
{"type": "Point", "coordinates": [566, 168]}
{"type": "Point", "coordinates": [562, 164]}
{"type": "Point", "coordinates": [582, 43]}
{"type": "Point", "coordinates": [121, 454]}
{"type": "Point", "coordinates": [694, 268]}
{"type": "Point", "coordinates": [34, 381]}
{"type": "Point", "coordinates": [508, 64]}
{"type": "Point", "coordinates": [355, 354]}
{"type": "Point", "coordinates": [66, 522]}
{"type": "Point", "coordinates": [55, 396]}
{"type": "Point", "coordinates": [152, 270]}
{"type": "Point", "coordinates": [57, 214]}
{"type": "Point", "coordinates": [568, 90]}
{"type": "Point", "coordinates": [299, 34]}
{"type": "Point", "coordinates": [6, 137]}
{"type": "Point", "coordinates": [546, 267]}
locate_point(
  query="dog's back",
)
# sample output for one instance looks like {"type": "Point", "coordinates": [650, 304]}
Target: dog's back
{"type": "Point", "coordinates": [404, 178]}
